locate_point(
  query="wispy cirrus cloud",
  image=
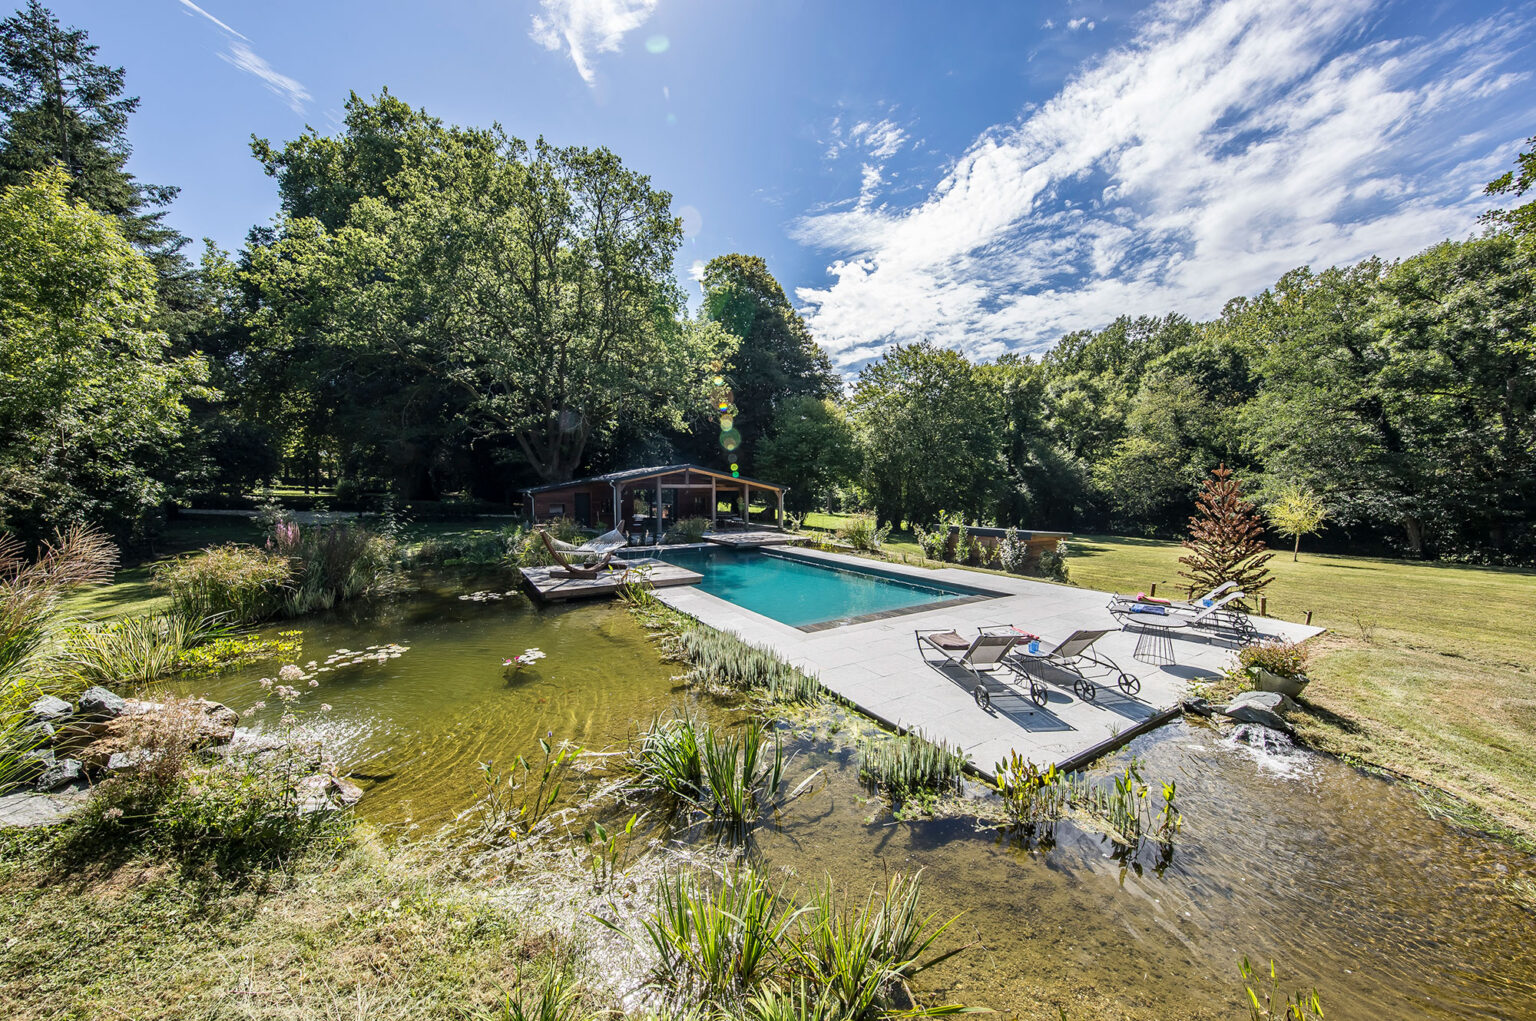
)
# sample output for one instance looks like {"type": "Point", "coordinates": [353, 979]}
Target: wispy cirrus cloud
{"type": "Point", "coordinates": [239, 54]}
{"type": "Point", "coordinates": [585, 28]}
{"type": "Point", "coordinates": [1230, 142]}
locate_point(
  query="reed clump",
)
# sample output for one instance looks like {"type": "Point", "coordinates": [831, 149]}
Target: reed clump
{"type": "Point", "coordinates": [911, 765]}
{"type": "Point", "coordinates": [729, 778]}
{"type": "Point", "coordinates": [721, 660]}
{"type": "Point", "coordinates": [745, 948]}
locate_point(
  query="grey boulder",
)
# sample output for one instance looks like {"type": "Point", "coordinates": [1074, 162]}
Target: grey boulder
{"type": "Point", "coordinates": [101, 703]}
{"type": "Point", "coordinates": [62, 773]}
{"type": "Point", "coordinates": [29, 809]}
{"type": "Point", "coordinates": [1261, 707]}
{"type": "Point", "coordinates": [48, 709]}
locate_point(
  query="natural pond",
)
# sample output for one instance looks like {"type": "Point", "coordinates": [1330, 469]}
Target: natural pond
{"type": "Point", "coordinates": [1339, 876]}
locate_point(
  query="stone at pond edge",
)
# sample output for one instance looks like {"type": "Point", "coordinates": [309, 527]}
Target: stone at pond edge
{"type": "Point", "coordinates": [48, 709]}
{"type": "Point", "coordinates": [1197, 705]}
{"type": "Point", "coordinates": [101, 703]}
{"type": "Point", "coordinates": [1261, 707]}
{"type": "Point", "coordinates": [322, 793]}
{"type": "Point", "coordinates": [41, 732]}
{"type": "Point", "coordinates": [215, 724]}
{"type": "Point", "coordinates": [61, 774]}
{"type": "Point", "coordinates": [29, 809]}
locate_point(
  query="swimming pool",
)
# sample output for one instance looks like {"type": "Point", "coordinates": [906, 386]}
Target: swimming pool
{"type": "Point", "coordinates": [808, 594]}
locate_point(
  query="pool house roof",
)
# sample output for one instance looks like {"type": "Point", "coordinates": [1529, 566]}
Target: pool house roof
{"type": "Point", "coordinates": [656, 471]}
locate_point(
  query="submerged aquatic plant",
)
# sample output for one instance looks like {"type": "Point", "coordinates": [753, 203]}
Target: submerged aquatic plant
{"type": "Point", "coordinates": [1275, 1005]}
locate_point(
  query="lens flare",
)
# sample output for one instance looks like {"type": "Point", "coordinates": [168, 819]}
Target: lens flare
{"type": "Point", "coordinates": [730, 439]}
{"type": "Point", "coordinates": [727, 423]}
{"type": "Point", "coordinates": [734, 466]}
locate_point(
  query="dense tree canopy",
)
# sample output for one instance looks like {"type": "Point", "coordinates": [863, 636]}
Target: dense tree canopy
{"type": "Point", "coordinates": [494, 292]}
{"type": "Point", "coordinates": [93, 408]}
{"type": "Point", "coordinates": [777, 360]}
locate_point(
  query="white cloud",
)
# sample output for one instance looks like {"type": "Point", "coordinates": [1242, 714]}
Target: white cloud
{"type": "Point", "coordinates": [584, 28]}
{"type": "Point", "coordinates": [1077, 23]}
{"type": "Point", "coordinates": [1232, 142]}
{"type": "Point", "coordinates": [288, 89]}
{"type": "Point", "coordinates": [240, 55]}
{"type": "Point", "coordinates": [883, 139]}
{"type": "Point", "coordinates": [192, 7]}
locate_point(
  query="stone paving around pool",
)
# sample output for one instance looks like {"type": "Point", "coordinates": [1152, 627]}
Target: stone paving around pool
{"type": "Point", "coordinates": [877, 664]}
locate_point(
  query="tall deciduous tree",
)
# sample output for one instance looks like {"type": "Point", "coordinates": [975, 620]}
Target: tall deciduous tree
{"type": "Point", "coordinates": [93, 408]}
{"type": "Point", "coordinates": [812, 449]}
{"type": "Point", "coordinates": [530, 286]}
{"type": "Point", "coordinates": [59, 107]}
{"type": "Point", "coordinates": [930, 433]}
{"type": "Point", "coordinates": [1226, 539]}
{"type": "Point", "coordinates": [777, 360]}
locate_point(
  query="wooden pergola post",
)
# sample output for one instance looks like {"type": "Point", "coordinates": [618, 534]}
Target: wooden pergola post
{"type": "Point", "coordinates": [781, 508]}
{"type": "Point", "coordinates": [714, 504]}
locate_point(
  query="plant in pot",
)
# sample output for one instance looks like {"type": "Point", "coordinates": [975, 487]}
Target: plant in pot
{"type": "Point", "coordinates": [1276, 666]}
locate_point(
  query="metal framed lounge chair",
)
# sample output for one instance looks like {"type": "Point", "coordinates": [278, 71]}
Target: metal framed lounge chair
{"type": "Point", "coordinates": [1223, 614]}
{"type": "Point", "coordinates": [985, 652]}
{"type": "Point", "coordinates": [1189, 606]}
{"type": "Point", "coordinates": [566, 569]}
{"type": "Point", "coordinates": [1071, 655]}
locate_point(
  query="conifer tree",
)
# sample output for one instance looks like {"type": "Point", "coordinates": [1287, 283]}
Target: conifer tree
{"type": "Point", "coordinates": [1226, 539]}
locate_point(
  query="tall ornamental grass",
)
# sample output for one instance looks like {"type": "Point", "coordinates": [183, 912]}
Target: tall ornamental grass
{"type": "Point", "coordinates": [35, 630]}
{"type": "Point", "coordinates": [232, 582]}
{"type": "Point", "coordinates": [910, 764]}
{"type": "Point", "coordinates": [721, 660]}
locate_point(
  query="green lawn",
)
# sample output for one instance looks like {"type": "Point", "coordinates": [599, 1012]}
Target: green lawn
{"type": "Point", "coordinates": [1427, 669]}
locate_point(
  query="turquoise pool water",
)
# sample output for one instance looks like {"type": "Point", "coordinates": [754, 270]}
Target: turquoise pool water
{"type": "Point", "coordinates": [805, 594]}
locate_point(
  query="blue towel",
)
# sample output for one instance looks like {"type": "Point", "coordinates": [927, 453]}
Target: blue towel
{"type": "Point", "coordinates": [1161, 611]}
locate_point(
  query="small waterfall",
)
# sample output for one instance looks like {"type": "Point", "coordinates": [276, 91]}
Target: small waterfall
{"type": "Point", "coordinates": [1273, 750]}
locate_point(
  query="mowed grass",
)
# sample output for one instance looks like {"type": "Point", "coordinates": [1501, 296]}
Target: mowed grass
{"type": "Point", "coordinates": [1427, 669]}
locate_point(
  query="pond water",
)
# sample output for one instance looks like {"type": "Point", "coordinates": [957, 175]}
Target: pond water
{"type": "Point", "coordinates": [1339, 876]}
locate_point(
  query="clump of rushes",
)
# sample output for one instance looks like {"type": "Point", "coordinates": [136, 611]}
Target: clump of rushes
{"type": "Point", "coordinates": [730, 779]}
{"type": "Point", "coordinates": [235, 582]}
{"type": "Point", "coordinates": [138, 650]}
{"type": "Point", "coordinates": [910, 765]}
{"type": "Point", "coordinates": [721, 660]}
{"type": "Point", "coordinates": [746, 949]}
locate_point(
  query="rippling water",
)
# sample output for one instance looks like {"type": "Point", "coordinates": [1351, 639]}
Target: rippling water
{"type": "Point", "coordinates": [1339, 876]}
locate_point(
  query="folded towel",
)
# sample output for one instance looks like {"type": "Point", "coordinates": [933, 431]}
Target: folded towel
{"type": "Point", "coordinates": [1142, 597]}
{"type": "Point", "coordinates": [1155, 611]}
{"type": "Point", "coordinates": [1025, 635]}
{"type": "Point", "coordinates": [948, 640]}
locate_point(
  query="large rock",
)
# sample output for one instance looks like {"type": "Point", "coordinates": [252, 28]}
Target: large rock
{"type": "Point", "coordinates": [325, 793]}
{"type": "Point", "coordinates": [101, 704]}
{"type": "Point", "coordinates": [63, 773]}
{"type": "Point", "coordinates": [29, 809]}
{"type": "Point", "coordinates": [48, 710]}
{"type": "Point", "coordinates": [212, 724]}
{"type": "Point", "coordinates": [39, 733]}
{"type": "Point", "coordinates": [1261, 707]}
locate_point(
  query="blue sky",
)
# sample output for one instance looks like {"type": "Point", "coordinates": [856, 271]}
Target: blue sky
{"type": "Point", "coordinates": [987, 175]}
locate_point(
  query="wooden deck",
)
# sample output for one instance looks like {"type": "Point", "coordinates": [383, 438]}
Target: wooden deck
{"type": "Point", "coordinates": [752, 539]}
{"type": "Point", "coordinates": [657, 573]}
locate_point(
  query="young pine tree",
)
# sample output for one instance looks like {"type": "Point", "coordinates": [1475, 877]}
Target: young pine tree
{"type": "Point", "coordinates": [1226, 539]}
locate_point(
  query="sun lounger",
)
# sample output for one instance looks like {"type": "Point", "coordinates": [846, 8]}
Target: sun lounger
{"type": "Point", "coordinates": [1225, 614]}
{"type": "Point", "coordinates": [1072, 655]}
{"type": "Point", "coordinates": [985, 652]}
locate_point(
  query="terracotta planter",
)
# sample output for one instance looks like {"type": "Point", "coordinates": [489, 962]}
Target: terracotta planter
{"type": "Point", "coordinates": [1266, 681]}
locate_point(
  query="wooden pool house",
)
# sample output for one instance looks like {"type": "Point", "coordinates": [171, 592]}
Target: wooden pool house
{"type": "Point", "coordinates": [652, 499]}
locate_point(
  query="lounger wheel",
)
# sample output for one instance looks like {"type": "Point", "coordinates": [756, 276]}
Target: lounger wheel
{"type": "Point", "coordinates": [1129, 684]}
{"type": "Point", "coordinates": [1038, 693]}
{"type": "Point", "coordinates": [983, 696]}
{"type": "Point", "coordinates": [1085, 690]}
